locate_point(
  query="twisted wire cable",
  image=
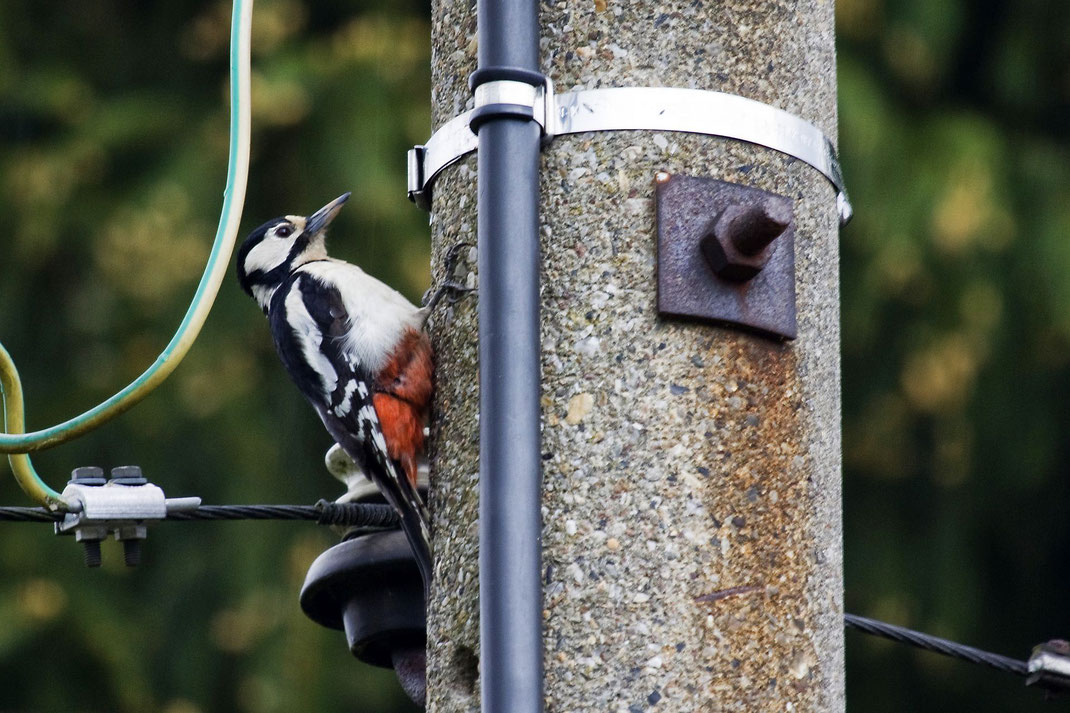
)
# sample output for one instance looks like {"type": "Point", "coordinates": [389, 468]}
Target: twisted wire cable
{"type": "Point", "coordinates": [325, 513]}
{"type": "Point", "coordinates": [372, 515]}
{"type": "Point", "coordinates": [935, 644]}
{"type": "Point", "coordinates": [21, 514]}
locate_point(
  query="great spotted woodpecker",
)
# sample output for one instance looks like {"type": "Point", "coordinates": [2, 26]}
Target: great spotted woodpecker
{"type": "Point", "coordinates": [356, 349]}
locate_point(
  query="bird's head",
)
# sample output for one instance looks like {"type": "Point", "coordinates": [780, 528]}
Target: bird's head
{"type": "Point", "coordinates": [280, 246]}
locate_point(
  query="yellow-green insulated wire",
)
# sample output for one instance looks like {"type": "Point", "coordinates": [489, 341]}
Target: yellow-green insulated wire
{"type": "Point", "coordinates": [24, 472]}
{"type": "Point", "coordinates": [15, 441]}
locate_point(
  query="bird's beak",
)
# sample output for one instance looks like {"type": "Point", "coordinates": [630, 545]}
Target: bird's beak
{"type": "Point", "coordinates": [319, 220]}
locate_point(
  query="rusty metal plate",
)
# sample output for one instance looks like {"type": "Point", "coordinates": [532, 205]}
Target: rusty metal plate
{"type": "Point", "coordinates": [687, 284]}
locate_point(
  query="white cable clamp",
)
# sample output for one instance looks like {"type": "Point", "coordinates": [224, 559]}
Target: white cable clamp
{"type": "Point", "coordinates": [694, 111]}
{"type": "Point", "coordinates": [1049, 666]}
{"type": "Point", "coordinates": [118, 509]}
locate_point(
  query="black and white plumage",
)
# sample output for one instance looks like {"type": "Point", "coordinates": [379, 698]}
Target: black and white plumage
{"type": "Point", "coordinates": [357, 351]}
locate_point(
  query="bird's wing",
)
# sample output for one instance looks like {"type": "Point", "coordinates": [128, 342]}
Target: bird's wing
{"type": "Point", "coordinates": [343, 396]}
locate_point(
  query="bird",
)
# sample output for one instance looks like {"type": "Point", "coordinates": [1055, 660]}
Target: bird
{"type": "Point", "coordinates": [356, 349]}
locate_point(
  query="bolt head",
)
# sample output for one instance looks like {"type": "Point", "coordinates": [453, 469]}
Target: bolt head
{"type": "Point", "coordinates": [739, 242]}
{"type": "Point", "coordinates": [88, 475]}
{"type": "Point", "coordinates": [128, 475]}
{"type": "Point", "coordinates": [727, 262]}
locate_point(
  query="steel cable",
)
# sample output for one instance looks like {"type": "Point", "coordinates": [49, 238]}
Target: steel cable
{"type": "Point", "coordinates": [381, 516]}
{"type": "Point", "coordinates": [323, 512]}
{"type": "Point", "coordinates": [935, 644]}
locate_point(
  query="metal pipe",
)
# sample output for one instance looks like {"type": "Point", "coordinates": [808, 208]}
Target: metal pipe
{"type": "Point", "coordinates": [510, 466]}
{"type": "Point", "coordinates": [508, 34]}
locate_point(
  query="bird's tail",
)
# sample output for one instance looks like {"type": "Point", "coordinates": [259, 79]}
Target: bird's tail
{"type": "Point", "coordinates": [415, 519]}
{"type": "Point", "coordinates": [416, 522]}
{"type": "Point", "coordinates": [401, 495]}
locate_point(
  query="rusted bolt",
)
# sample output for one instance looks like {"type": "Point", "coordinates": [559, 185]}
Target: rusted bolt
{"type": "Point", "coordinates": [740, 240]}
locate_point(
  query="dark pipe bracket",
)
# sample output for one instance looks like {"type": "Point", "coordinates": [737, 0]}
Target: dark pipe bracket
{"type": "Point", "coordinates": [726, 254]}
{"type": "Point", "coordinates": [498, 111]}
{"type": "Point", "coordinates": [516, 74]}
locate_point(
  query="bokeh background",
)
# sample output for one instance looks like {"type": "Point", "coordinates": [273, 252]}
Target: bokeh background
{"type": "Point", "coordinates": [955, 140]}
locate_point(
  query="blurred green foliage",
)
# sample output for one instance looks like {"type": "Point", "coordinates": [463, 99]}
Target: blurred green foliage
{"type": "Point", "coordinates": [113, 146]}
{"type": "Point", "coordinates": [113, 129]}
{"type": "Point", "coordinates": [956, 340]}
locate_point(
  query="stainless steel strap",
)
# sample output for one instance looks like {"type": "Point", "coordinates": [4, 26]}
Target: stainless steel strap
{"type": "Point", "coordinates": [633, 109]}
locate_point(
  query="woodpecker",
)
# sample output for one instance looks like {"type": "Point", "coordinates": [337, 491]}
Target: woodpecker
{"type": "Point", "coordinates": [357, 351]}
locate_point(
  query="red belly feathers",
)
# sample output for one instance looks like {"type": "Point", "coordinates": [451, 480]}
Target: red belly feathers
{"type": "Point", "coordinates": [402, 399]}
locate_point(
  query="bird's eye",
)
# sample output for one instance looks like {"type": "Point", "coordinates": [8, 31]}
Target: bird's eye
{"type": "Point", "coordinates": [284, 231]}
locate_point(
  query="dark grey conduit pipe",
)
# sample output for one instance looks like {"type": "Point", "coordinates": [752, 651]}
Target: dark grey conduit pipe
{"type": "Point", "coordinates": [510, 467]}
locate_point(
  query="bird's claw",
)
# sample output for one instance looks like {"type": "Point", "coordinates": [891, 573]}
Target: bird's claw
{"type": "Point", "coordinates": [449, 287]}
{"type": "Point", "coordinates": [452, 256]}
{"type": "Point", "coordinates": [453, 290]}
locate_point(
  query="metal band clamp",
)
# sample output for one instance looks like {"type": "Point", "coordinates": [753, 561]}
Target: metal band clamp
{"type": "Point", "coordinates": [628, 109]}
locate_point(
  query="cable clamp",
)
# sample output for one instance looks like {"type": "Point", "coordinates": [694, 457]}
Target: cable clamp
{"type": "Point", "coordinates": [1049, 666]}
{"type": "Point", "coordinates": [120, 506]}
{"type": "Point", "coordinates": [694, 111]}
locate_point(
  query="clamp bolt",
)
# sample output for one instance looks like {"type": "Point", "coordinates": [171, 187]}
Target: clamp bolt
{"type": "Point", "coordinates": [131, 537]}
{"type": "Point", "coordinates": [92, 553]}
{"type": "Point", "coordinates": [128, 475]}
{"type": "Point", "coordinates": [132, 552]}
{"type": "Point", "coordinates": [739, 241]}
{"type": "Point", "coordinates": [88, 475]}
{"type": "Point", "coordinates": [91, 537]}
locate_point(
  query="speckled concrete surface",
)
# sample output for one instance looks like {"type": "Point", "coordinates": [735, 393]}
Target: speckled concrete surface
{"type": "Point", "coordinates": [682, 461]}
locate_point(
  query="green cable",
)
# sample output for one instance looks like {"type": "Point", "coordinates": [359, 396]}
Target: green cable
{"type": "Point", "coordinates": [15, 441]}
{"type": "Point", "coordinates": [25, 475]}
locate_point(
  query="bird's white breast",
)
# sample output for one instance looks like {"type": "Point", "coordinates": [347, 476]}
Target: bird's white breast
{"type": "Point", "coordinates": [378, 314]}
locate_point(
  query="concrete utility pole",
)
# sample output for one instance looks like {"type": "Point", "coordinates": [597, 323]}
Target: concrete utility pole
{"type": "Point", "coordinates": [691, 500]}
